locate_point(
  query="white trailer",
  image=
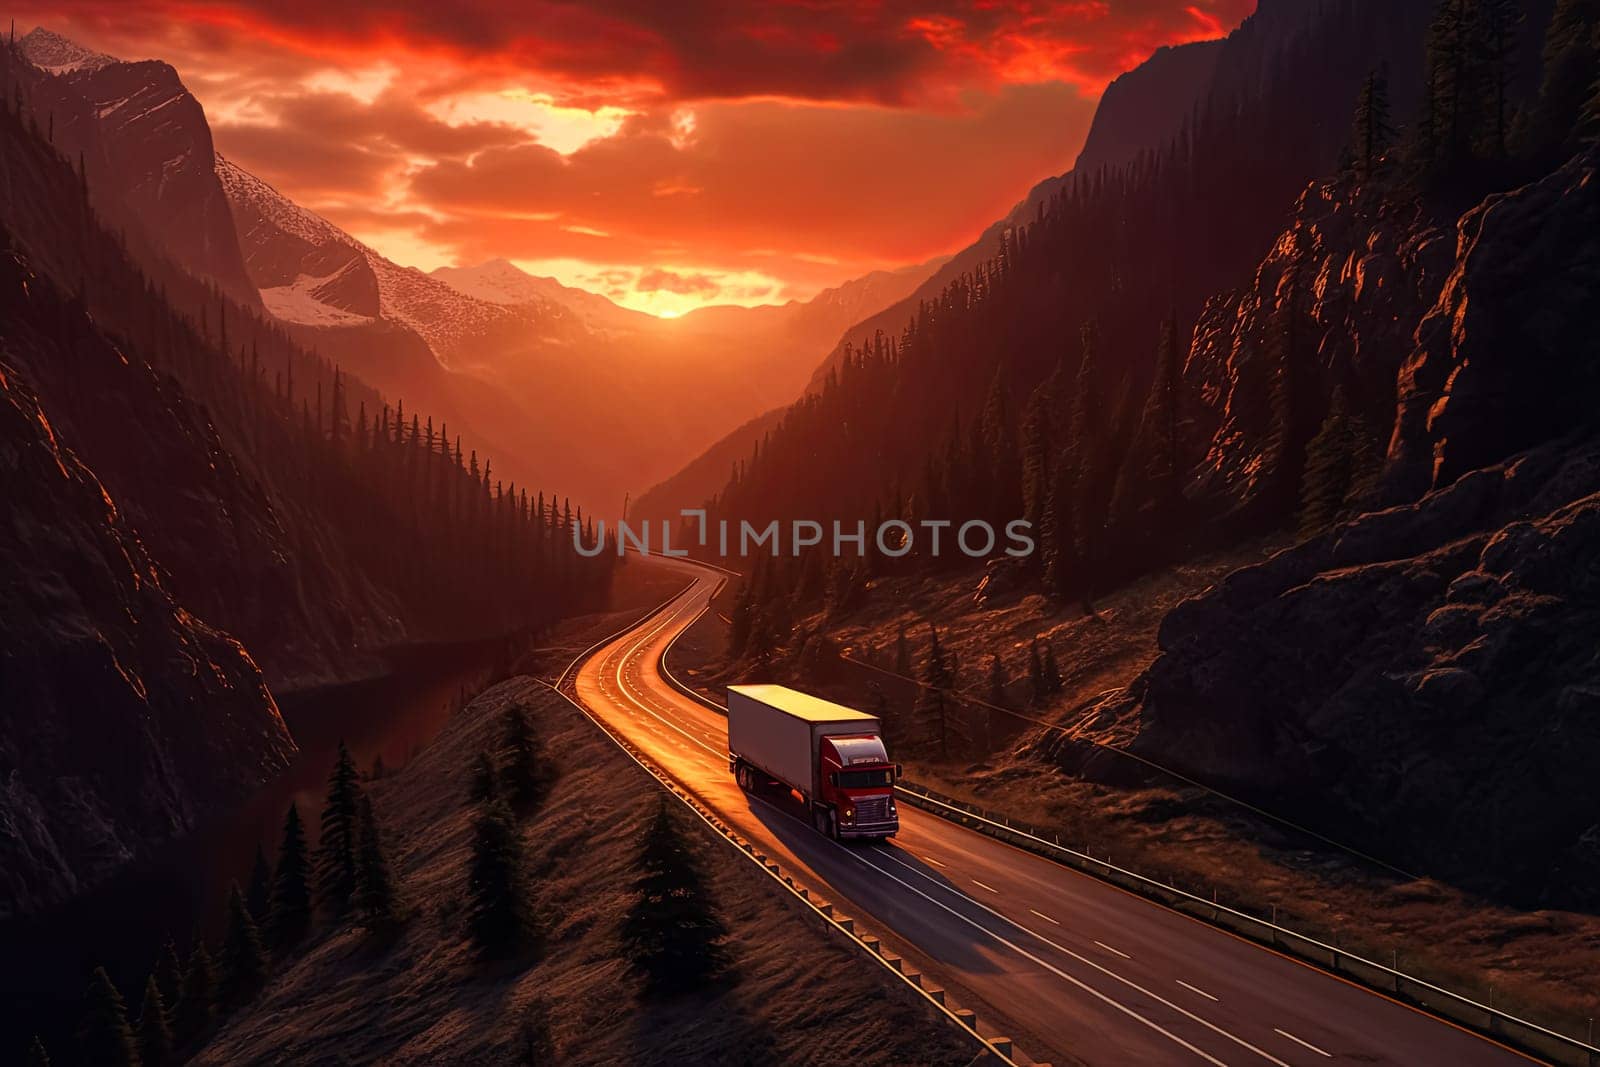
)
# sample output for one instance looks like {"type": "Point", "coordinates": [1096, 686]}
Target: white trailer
{"type": "Point", "coordinates": [831, 755]}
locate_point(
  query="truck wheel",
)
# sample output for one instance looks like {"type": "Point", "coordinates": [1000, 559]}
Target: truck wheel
{"type": "Point", "coordinates": [822, 819]}
{"type": "Point", "coordinates": [742, 776]}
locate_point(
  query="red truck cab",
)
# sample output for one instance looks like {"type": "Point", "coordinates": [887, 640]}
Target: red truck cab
{"type": "Point", "coordinates": [858, 783]}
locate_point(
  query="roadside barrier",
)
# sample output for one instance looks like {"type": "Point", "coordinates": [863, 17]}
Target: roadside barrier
{"type": "Point", "coordinates": [1390, 981]}
{"type": "Point", "coordinates": [996, 1050]}
{"type": "Point", "coordinates": [1382, 978]}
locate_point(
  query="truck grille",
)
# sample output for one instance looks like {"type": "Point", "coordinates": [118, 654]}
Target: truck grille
{"type": "Point", "coordinates": [872, 809]}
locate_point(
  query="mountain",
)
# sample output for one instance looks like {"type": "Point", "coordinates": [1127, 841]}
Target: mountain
{"type": "Point", "coordinates": [486, 346]}
{"type": "Point", "coordinates": [145, 144]}
{"type": "Point", "coordinates": [1139, 112]}
{"type": "Point", "coordinates": [178, 502]}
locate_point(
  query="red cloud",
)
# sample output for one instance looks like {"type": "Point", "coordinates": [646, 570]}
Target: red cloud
{"type": "Point", "coordinates": [897, 52]}
{"type": "Point", "coordinates": [829, 137]}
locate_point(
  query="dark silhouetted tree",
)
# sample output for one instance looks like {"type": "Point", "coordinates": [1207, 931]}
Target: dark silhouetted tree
{"type": "Point", "coordinates": [104, 1038]}
{"type": "Point", "coordinates": [196, 1004]}
{"type": "Point", "coordinates": [937, 679]}
{"type": "Point", "coordinates": [499, 918]}
{"type": "Point", "coordinates": [1053, 682]}
{"type": "Point", "coordinates": [902, 653]}
{"type": "Point", "coordinates": [37, 1056]}
{"type": "Point", "coordinates": [336, 850]}
{"type": "Point", "coordinates": [290, 911]}
{"type": "Point", "coordinates": [1373, 130]}
{"type": "Point", "coordinates": [485, 782]}
{"type": "Point", "coordinates": [155, 1032]}
{"type": "Point", "coordinates": [259, 896]}
{"type": "Point", "coordinates": [1036, 679]}
{"type": "Point", "coordinates": [169, 974]}
{"type": "Point", "coordinates": [374, 888]}
{"type": "Point", "coordinates": [538, 1045]}
{"type": "Point", "coordinates": [672, 933]}
{"type": "Point", "coordinates": [242, 965]}
{"type": "Point", "coordinates": [527, 776]}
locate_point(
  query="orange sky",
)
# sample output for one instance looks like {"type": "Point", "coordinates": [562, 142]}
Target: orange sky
{"type": "Point", "coordinates": [667, 153]}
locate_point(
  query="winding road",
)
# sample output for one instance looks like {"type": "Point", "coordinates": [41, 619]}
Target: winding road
{"type": "Point", "coordinates": [1074, 970]}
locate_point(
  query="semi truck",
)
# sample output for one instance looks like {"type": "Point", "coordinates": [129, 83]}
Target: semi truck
{"type": "Point", "coordinates": [830, 756]}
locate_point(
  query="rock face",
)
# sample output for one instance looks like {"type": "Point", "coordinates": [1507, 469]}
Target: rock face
{"type": "Point", "coordinates": [123, 719]}
{"type": "Point", "coordinates": [1357, 278]}
{"type": "Point", "coordinates": [1421, 681]}
{"type": "Point", "coordinates": [144, 139]}
{"type": "Point", "coordinates": [1509, 355]}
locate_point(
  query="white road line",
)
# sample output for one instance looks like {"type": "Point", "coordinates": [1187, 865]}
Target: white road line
{"type": "Point", "coordinates": [1045, 917]}
{"type": "Point", "coordinates": [931, 860]}
{"type": "Point", "coordinates": [990, 888]}
{"type": "Point", "coordinates": [1064, 950]}
{"type": "Point", "coordinates": [1116, 951]}
{"type": "Point", "coordinates": [1307, 1044]}
{"type": "Point", "coordinates": [1195, 989]}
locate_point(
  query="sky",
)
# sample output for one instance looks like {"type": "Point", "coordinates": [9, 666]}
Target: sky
{"type": "Point", "coordinates": [666, 153]}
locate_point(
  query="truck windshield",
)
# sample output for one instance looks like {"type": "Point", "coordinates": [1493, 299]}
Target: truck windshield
{"type": "Point", "coordinates": [865, 779]}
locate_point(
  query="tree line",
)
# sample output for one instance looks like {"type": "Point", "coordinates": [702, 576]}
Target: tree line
{"type": "Point", "coordinates": [356, 485]}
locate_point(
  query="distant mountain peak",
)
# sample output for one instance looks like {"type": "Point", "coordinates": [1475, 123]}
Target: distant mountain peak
{"type": "Point", "coordinates": [55, 54]}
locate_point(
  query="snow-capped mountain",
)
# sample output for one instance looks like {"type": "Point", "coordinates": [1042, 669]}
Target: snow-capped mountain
{"type": "Point", "coordinates": [145, 143]}
{"type": "Point", "coordinates": [312, 273]}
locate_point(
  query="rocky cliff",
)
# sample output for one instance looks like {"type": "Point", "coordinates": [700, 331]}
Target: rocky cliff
{"type": "Point", "coordinates": [124, 720]}
{"type": "Point", "coordinates": [1420, 681]}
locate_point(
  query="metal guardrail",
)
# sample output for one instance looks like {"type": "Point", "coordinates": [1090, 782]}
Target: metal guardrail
{"type": "Point", "coordinates": [989, 1050]}
{"type": "Point", "coordinates": [1435, 1000]}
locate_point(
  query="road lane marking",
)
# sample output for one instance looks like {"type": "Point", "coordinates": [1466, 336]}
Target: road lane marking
{"type": "Point", "coordinates": [931, 860]}
{"type": "Point", "coordinates": [1064, 950]}
{"type": "Point", "coordinates": [990, 888]}
{"type": "Point", "coordinates": [1195, 989]}
{"type": "Point", "coordinates": [637, 649]}
{"type": "Point", "coordinates": [1116, 951]}
{"type": "Point", "coordinates": [1307, 1044]}
{"type": "Point", "coordinates": [1045, 917]}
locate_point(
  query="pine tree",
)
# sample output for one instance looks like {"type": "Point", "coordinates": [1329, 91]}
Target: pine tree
{"type": "Point", "coordinates": [538, 1046]}
{"type": "Point", "coordinates": [1036, 678]}
{"type": "Point", "coordinates": [1373, 132]}
{"type": "Point", "coordinates": [105, 1039]}
{"type": "Point", "coordinates": [499, 917]}
{"type": "Point", "coordinates": [155, 1032]}
{"type": "Point", "coordinates": [485, 782]}
{"type": "Point", "coordinates": [336, 860]}
{"type": "Point", "coordinates": [937, 678]}
{"type": "Point", "coordinates": [374, 889]}
{"type": "Point", "coordinates": [672, 932]}
{"type": "Point", "coordinates": [259, 896]}
{"type": "Point", "coordinates": [243, 963]}
{"type": "Point", "coordinates": [169, 974]}
{"type": "Point", "coordinates": [1053, 682]}
{"type": "Point", "coordinates": [526, 776]}
{"type": "Point", "coordinates": [290, 911]}
{"type": "Point", "coordinates": [1571, 64]}
{"type": "Point", "coordinates": [193, 1014]}
{"type": "Point", "coordinates": [902, 653]}
{"type": "Point", "coordinates": [37, 1056]}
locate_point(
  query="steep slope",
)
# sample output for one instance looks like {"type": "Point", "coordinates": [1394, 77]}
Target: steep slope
{"type": "Point", "coordinates": [423, 997]}
{"type": "Point", "coordinates": [1140, 112]}
{"type": "Point", "coordinates": [147, 148]}
{"type": "Point", "coordinates": [295, 527]}
{"type": "Point", "coordinates": [706, 475]}
{"type": "Point", "coordinates": [125, 720]}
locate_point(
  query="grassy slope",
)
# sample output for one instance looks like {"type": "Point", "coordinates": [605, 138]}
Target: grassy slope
{"type": "Point", "coordinates": [1538, 963]}
{"type": "Point", "coordinates": [796, 998]}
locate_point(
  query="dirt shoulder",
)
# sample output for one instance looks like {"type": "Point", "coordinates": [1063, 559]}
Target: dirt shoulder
{"type": "Point", "coordinates": [423, 997]}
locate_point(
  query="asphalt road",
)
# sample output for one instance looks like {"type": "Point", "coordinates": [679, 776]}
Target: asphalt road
{"type": "Point", "coordinates": [1073, 969]}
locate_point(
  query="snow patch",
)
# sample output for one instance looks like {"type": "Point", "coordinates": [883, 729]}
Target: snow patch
{"type": "Point", "coordinates": [55, 54]}
{"type": "Point", "coordinates": [295, 303]}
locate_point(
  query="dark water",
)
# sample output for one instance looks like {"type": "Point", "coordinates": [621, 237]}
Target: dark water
{"type": "Point", "coordinates": [45, 960]}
